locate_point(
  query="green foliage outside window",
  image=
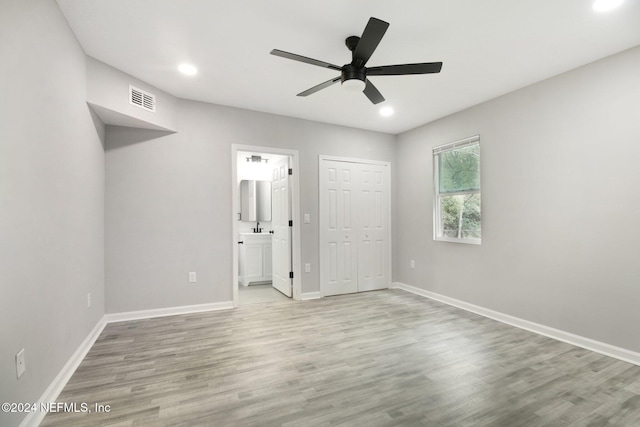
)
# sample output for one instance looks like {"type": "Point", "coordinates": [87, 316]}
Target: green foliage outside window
{"type": "Point", "coordinates": [461, 216]}
{"type": "Point", "coordinates": [460, 169]}
{"type": "Point", "coordinates": [459, 192]}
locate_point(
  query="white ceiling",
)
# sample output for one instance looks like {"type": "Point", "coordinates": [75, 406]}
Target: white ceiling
{"type": "Point", "coordinates": [488, 48]}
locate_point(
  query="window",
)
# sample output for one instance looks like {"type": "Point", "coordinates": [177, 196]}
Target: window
{"type": "Point", "coordinates": [456, 173]}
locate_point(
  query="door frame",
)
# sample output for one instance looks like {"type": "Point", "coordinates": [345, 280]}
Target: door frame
{"type": "Point", "coordinates": [295, 214]}
{"type": "Point", "coordinates": [322, 220]}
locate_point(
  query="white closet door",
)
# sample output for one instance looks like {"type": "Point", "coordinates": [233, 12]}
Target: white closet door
{"type": "Point", "coordinates": [339, 266]}
{"type": "Point", "coordinates": [280, 216]}
{"type": "Point", "coordinates": [354, 227]}
{"type": "Point", "coordinates": [373, 232]}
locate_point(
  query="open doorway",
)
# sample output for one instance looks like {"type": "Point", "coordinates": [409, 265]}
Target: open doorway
{"type": "Point", "coordinates": [265, 229]}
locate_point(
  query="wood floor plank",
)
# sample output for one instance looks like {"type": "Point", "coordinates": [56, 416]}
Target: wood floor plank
{"type": "Point", "coordinates": [383, 358]}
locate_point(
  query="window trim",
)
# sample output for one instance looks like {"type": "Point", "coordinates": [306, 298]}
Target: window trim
{"type": "Point", "coordinates": [437, 196]}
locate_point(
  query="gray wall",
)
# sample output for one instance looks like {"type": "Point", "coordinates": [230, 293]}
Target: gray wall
{"type": "Point", "coordinates": [559, 201]}
{"type": "Point", "coordinates": [560, 179]}
{"type": "Point", "coordinates": [108, 92]}
{"type": "Point", "coordinates": [168, 200]}
{"type": "Point", "coordinates": [51, 199]}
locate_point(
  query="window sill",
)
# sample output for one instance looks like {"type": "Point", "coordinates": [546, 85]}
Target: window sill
{"type": "Point", "coordinates": [454, 240]}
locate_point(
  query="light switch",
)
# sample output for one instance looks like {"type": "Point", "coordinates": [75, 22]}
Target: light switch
{"type": "Point", "coordinates": [307, 268]}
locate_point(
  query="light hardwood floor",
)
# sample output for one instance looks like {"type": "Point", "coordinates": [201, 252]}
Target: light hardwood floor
{"type": "Point", "coordinates": [380, 358]}
{"type": "Point", "coordinates": [259, 293]}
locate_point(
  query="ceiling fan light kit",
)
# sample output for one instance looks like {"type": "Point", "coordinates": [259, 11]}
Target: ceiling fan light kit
{"type": "Point", "coordinates": [353, 76]}
{"type": "Point", "coordinates": [354, 85]}
{"type": "Point", "coordinates": [353, 79]}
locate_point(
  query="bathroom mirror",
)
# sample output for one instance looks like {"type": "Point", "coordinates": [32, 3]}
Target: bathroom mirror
{"type": "Point", "coordinates": [255, 202]}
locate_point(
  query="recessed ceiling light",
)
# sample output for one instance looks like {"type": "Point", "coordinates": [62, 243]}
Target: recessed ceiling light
{"type": "Point", "coordinates": [606, 5]}
{"type": "Point", "coordinates": [188, 69]}
{"type": "Point", "coordinates": [386, 111]}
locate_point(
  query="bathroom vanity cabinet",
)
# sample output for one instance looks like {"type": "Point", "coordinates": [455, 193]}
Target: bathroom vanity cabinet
{"type": "Point", "coordinates": [255, 258]}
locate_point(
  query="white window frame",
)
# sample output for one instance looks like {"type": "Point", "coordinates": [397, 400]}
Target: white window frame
{"type": "Point", "coordinates": [437, 196]}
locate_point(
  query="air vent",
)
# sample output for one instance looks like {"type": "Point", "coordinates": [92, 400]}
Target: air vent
{"type": "Point", "coordinates": [142, 99]}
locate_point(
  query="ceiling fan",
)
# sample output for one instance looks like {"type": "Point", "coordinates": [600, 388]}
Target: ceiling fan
{"type": "Point", "coordinates": [354, 75]}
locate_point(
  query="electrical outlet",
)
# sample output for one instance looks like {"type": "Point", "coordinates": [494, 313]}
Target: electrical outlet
{"type": "Point", "coordinates": [413, 263]}
{"type": "Point", "coordinates": [307, 218]}
{"type": "Point", "coordinates": [21, 364]}
{"type": "Point", "coordinates": [307, 268]}
{"type": "Point", "coordinates": [192, 277]}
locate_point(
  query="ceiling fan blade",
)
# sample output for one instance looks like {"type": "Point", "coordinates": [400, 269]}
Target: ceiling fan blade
{"type": "Point", "coordinates": [369, 41]}
{"type": "Point", "coordinates": [373, 93]}
{"type": "Point", "coordinates": [320, 86]}
{"type": "Point", "coordinates": [402, 69]}
{"type": "Point", "coordinates": [304, 59]}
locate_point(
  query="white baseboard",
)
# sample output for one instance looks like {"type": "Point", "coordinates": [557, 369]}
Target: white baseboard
{"type": "Point", "coordinates": [310, 295]}
{"type": "Point", "coordinates": [60, 381]}
{"type": "Point", "coordinates": [577, 340]}
{"type": "Point", "coordinates": [170, 311]}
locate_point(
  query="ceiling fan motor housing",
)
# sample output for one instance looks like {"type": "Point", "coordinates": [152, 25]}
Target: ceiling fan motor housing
{"type": "Point", "coordinates": [353, 78]}
{"type": "Point", "coordinates": [350, 72]}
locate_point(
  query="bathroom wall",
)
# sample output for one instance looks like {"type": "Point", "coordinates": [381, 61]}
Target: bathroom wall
{"type": "Point", "coordinates": [258, 171]}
